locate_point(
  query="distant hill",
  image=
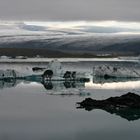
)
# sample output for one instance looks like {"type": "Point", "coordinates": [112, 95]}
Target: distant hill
{"type": "Point", "coordinates": [123, 47]}
{"type": "Point", "coordinates": [79, 41]}
{"type": "Point", "coordinates": [64, 47]}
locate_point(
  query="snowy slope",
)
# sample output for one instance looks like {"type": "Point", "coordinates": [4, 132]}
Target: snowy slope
{"type": "Point", "coordinates": [69, 37]}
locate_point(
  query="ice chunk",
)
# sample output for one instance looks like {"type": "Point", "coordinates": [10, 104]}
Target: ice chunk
{"type": "Point", "coordinates": [59, 72]}
{"type": "Point", "coordinates": [108, 71]}
{"type": "Point", "coordinates": [9, 73]}
{"type": "Point", "coordinates": [55, 66]}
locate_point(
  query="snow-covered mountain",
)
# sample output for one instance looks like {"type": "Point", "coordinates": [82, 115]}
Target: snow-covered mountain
{"type": "Point", "coordinates": [85, 37]}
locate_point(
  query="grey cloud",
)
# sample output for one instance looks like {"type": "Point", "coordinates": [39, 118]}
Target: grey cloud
{"type": "Point", "coordinates": [126, 10]}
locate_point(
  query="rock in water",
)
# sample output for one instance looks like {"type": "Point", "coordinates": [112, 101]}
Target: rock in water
{"type": "Point", "coordinates": [126, 106]}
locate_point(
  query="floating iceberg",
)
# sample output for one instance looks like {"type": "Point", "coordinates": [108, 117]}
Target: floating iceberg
{"type": "Point", "coordinates": [9, 73]}
{"type": "Point", "coordinates": [55, 72]}
{"type": "Point", "coordinates": [108, 71]}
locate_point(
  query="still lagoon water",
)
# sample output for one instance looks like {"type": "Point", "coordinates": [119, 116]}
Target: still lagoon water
{"type": "Point", "coordinates": [28, 110]}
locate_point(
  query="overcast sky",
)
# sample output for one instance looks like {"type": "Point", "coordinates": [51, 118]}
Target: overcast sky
{"type": "Point", "coordinates": [124, 10]}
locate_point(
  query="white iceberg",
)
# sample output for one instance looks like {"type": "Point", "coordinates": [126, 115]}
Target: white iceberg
{"type": "Point", "coordinates": [59, 73]}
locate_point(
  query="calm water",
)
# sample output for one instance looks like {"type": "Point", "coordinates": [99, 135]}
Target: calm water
{"type": "Point", "coordinates": [30, 111]}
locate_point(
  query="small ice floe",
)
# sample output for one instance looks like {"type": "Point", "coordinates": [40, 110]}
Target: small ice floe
{"type": "Point", "coordinates": [108, 71]}
{"type": "Point", "coordinates": [52, 72]}
{"type": "Point", "coordinates": [21, 57]}
{"type": "Point", "coordinates": [4, 57]}
{"type": "Point", "coordinates": [9, 73]}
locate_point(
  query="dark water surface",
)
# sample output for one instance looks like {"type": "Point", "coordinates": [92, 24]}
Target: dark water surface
{"type": "Point", "coordinates": [29, 111]}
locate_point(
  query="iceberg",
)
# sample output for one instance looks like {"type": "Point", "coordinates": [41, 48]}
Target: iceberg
{"type": "Point", "coordinates": [52, 72]}
{"type": "Point", "coordinates": [107, 71]}
{"type": "Point", "coordinates": [9, 74]}
{"type": "Point", "coordinates": [56, 72]}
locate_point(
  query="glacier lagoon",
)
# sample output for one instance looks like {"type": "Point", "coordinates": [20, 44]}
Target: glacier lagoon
{"type": "Point", "coordinates": [29, 110]}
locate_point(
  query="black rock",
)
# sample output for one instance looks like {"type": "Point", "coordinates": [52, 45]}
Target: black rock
{"type": "Point", "coordinates": [38, 69]}
{"type": "Point", "coordinates": [126, 106]}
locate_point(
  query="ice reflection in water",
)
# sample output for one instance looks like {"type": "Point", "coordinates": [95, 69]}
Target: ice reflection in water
{"type": "Point", "coordinates": [128, 114]}
{"type": "Point", "coordinates": [126, 106]}
{"type": "Point", "coordinates": [52, 87]}
{"type": "Point", "coordinates": [65, 87]}
{"type": "Point", "coordinates": [114, 83]}
{"type": "Point", "coordinates": [29, 111]}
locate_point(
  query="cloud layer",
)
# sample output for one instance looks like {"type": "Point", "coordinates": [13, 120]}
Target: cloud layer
{"type": "Point", "coordinates": [125, 10]}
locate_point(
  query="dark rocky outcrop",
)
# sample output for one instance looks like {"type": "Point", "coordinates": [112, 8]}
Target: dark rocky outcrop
{"type": "Point", "coordinates": [48, 74]}
{"type": "Point", "coordinates": [35, 69]}
{"type": "Point", "coordinates": [126, 106]}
